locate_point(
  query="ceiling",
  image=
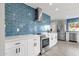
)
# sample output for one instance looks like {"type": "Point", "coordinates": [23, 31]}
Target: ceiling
{"type": "Point", "coordinates": [58, 11]}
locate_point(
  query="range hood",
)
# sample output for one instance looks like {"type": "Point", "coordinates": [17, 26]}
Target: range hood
{"type": "Point", "coordinates": [38, 14]}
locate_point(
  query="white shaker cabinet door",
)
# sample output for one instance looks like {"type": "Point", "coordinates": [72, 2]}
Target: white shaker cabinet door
{"type": "Point", "coordinates": [53, 39]}
{"type": "Point", "coordinates": [50, 40]}
{"type": "Point", "coordinates": [15, 51]}
{"type": "Point", "coordinates": [25, 48]}
{"type": "Point", "coordinates": [21, 51]}
{"type": "Point", "coordinates": [36, 46]}
{"type": "Point", "coordinates": [30, 47]}
{"type": "Point", "coordinates": [16, 48]}
{"type": "Point", "coordinates": [11, 52]}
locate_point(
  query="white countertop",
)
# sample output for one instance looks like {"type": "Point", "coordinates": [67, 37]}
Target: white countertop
{"type": "Point", "coordinates": [14, 38]}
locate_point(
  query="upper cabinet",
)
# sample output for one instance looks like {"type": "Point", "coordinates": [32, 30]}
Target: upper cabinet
{"type": "Point", "coordinates": [19, 20]}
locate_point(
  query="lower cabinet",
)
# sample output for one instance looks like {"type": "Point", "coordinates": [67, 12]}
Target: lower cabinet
{"type": "Point", "coordinates": [67, 36]}
{"type": "Point", "coordinates": [34, 46]}
{"type": "Point", "coordinates": [28, 47]}
{"type": "Point", "coordinates": [17, 48]}
{"type": "Point", "coordinates": [11, 52]}
{"type": "Point", "coordinates": [53, 39]}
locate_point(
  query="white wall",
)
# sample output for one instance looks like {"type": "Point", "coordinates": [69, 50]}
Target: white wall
{"type": "Point", "coordinates": [65, 10]}
{"type": "Point", "coordinates": [2, 29]}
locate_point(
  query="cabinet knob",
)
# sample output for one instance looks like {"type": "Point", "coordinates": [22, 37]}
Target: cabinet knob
{"type": "Point", "coordinates": [35, 44]}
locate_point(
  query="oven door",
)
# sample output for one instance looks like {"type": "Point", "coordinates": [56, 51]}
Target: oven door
{"type": "Point", "coordinates": [45, 42]}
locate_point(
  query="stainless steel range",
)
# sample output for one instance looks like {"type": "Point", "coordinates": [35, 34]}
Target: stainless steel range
{"type": "Point", "coordinates": [44, 43]}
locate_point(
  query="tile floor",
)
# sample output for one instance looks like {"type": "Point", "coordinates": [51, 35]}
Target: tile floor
{"type": "Point", "coordinates": [63, 48]}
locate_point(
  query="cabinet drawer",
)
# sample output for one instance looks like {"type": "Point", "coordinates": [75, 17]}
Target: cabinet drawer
{"type": "Point", "coordinates": [15, 51]}
{"type": "Point", "coordinates": [13, 44]}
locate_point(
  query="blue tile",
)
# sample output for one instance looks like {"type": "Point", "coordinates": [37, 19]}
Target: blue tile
{"type": "Point", "coordinates": [21, 17]}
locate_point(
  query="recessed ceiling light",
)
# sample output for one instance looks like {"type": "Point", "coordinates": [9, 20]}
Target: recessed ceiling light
{"type": "Point", "coordinates": [50, 4]}
{"type": "Point", "coordinates": [56, 9]}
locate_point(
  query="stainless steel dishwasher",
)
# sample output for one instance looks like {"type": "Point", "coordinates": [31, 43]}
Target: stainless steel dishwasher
{"type": "Point", "coordinates": [72, 37]}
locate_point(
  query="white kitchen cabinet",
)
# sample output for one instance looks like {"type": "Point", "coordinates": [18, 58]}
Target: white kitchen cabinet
{"type": "Point", "coordinates": [53, 39]}
{"type": "Point", "coordinates": [77, 37]}
{"type": "Point", "coordinates": [30, 47]}
{"type": "Point", "coordinates": [10, 52]}
{"type": "Point", "coordinates": [16, 48]}
{"type": "Point", "coordinates": [15, 51]}
{"type": "Point", "coordinates": [67, 36]}
{"type": "Point", "coordinates": [34, 46]}
{"type": "Point", "coordinates": [21, 50]}
{"type": "Point", "coordinates": [23, 46]}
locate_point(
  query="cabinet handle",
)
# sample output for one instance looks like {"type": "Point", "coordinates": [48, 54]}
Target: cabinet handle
{"type": "Point", "coordinates": [35, 44]}
{"type": "Point", "coordinates": [16, 50]}
{"type": "Point", "coordinates": [17, 43]}
{"type": "Point", "coordinates": [19, 50]}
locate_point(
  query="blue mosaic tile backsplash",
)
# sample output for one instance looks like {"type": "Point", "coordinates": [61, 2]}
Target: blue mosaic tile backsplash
{"type": "Point", "coordinates": [19, 20]}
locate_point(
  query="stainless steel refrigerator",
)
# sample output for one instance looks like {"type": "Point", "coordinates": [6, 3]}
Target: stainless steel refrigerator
{"type": "Point", "coordinates": [61, 30]}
